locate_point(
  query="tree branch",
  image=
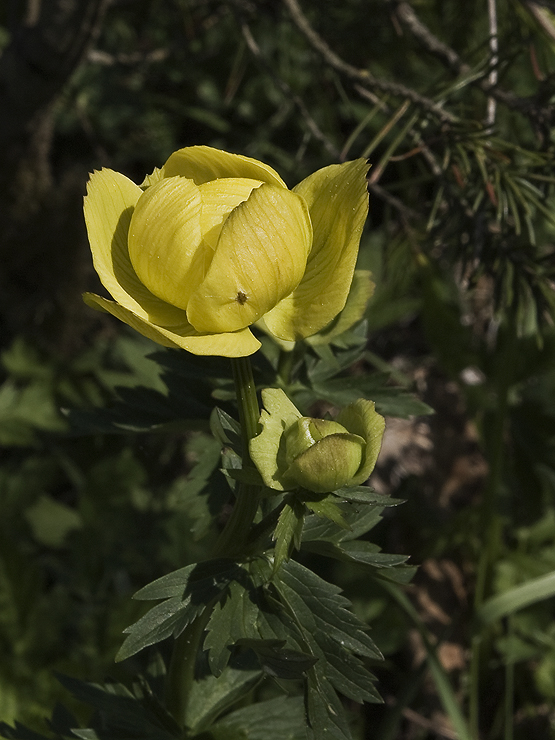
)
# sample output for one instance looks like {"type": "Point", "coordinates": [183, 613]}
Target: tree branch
{"type": "Point", "coordinates": [286, 90]}
{"type": "Point", "coordinates": [429, 41]}
{"type": "Point", "coordinates": [362, 76]}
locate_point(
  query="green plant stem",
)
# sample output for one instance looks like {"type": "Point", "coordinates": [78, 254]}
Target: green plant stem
{"type": "Point", "coordinates": [231, 542]}
{"type": "Point", "coordinates": [491, 534]}
{"type": "Point", "coordinates": [285, 365]}
{"type": "Point", "coordinates": [181, 673]}
{"type": "Point", "coordinates": [236, 532]}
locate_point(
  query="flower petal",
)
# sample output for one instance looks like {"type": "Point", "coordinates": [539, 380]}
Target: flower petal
{"type": "Point", "coordinates": [362, 418]}
{"type": "Point", "coordinates": [165, 240]}
{"type": "Point", "coordinates": [328, 465]}
{"type": "Point", "coordinates": [338, 202]}
{"type": "Point", "coordinates": [361, 291]}
{"type": "Point", "coordinates": [219, 198]}
{"type": "Point", "coordinates": [108, 206]}
{"type": "Point", "coordinates": [268, 448]}
{"type": "Point", "coordinates": [236, 344]}
{"type": "Point", "coordinates": [260, 258]}
{"type": "Point", "coordinates": [203, 163]}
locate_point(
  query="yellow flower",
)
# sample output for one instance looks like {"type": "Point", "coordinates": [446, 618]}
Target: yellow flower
{"type": "Point", "coordinates": [213, 242]}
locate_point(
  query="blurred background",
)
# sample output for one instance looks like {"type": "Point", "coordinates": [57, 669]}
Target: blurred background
{"type": "Point", "coordinates": [453, 104]}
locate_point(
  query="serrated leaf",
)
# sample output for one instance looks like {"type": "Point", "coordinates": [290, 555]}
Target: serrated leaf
{"type": "Point", "coordinates": [366, 495]}
{"type": "Point", "coordinates": [175, 583]}
{"type": "Point", "coordinates": [279, 661]}
{"type": "Point", "coordinates": [333, 635]}
{"type": "Point", "coordinates": [232, 619]}
{"type": "Point", "coordinates": [357, 551]}
{"type": "Point", "coordinates": [226, 430]}
{"type": "Point", "coordinates": [211, 696]}
{"type": "Point", "coordinates": [121, 712]}
{"type": "Point", "coordinates": [277, 719]}
{"type": "Point", "coordinates": [320, 609]}
{"type": "Point", "coordinates": [288, 532]}
{"type": "Point", "coordinates": [389, 401]}
{"type": "Point", "coordinates": [347, 673]}
{"type": "Point", "coordinates": [359, 517]}
{"type": "Point", "coordinates": [325, 711]}
{"type": "Point", "coordinates": [328, 509]}
{"type": "Point", "coordinates": [187, 592]}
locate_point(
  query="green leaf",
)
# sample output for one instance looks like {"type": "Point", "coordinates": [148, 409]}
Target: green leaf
{"type": "Point", "coordinates": [232, 619]}
{"type": "Point", "coordinates": [366, 495]}
{"type": "Point", "coordinates": [121, 712]}
{"type": "Point", "coordinates": [358, 551]}
{"type": "Point", "coordinates": [389, 401]}
{"type": "Point", "coordinates": [277, 719]}
{"type": "Point", "coordinates": [328, 509]}
{"type": "Point", "coordinates": [359, 517]}
{"type": "Point", "coordinates": [249, 476]}
{"type": "Point", "coordinates": [334, 636]}
{"type": "Point", "coordinates": [226, 430]}
{"type": "Point", "coordinates": [52, 521]}
{"type": "Point", "coordinates": [534, 590]}
{"type": "Point", "coordinates": [288, 532]}
{"type": "Point", "coordinates": [325, 711]}
{"type": "Point", "coordinates": [320, 606]}
{"type": "Point", "coordinates": [280, 661]}
{"type": "Point", "coordinates": [200, 494]}
{"type": "Point", "coordinates": [19, 732]}
{"type": "Point", "coordinates": [211, 696]}
{"type": "Point", "coordinates": [187, 592]}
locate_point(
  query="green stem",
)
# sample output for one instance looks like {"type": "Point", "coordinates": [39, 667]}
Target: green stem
{"type": "Point", "coordinates": [285, 366]}
{"type": "Point", "coordinates": [236, 532]}
{"type": "Point", "coordinates": [232, 542]}
{"type": "Point", "coordinates": [492, 531]}
{"type": "Point", "coordinates": [181, 673]}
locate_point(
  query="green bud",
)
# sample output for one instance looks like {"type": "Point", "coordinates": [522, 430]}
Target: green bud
{"type": "Point", "coordinates": [295, 451]}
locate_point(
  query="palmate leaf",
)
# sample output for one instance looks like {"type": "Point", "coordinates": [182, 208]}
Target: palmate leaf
{"type": "Point", "coordinates": [248, 618]}
{"type": "Point", "coordinates": [187, 592]}
{"type": "Point", "coordinates": [334, 636]}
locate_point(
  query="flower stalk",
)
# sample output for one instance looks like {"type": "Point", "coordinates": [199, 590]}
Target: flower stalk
{"type": "Point", "coordinates": [232, 542]}
{"type": "Point", "coordinates": [235, 534]}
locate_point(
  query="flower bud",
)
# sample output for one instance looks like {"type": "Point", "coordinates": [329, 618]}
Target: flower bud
{"type": "Point", "coordinates": [322, 455]}
{"type": "Point", "coordinates": [295, 451]}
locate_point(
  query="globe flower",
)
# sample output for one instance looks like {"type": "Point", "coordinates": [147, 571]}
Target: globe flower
{"type": "Point", "coordinates": [295, 451]}
{"type": "Point", "coordinates": [214, 242]}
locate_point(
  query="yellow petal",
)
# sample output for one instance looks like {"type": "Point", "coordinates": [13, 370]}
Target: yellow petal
{"type": "Point", "coordinates": [260, 258]}
{"type": "Point", "coordinates": [109, 204]}
{"type": "Point", "coordinates": [338, 202]}
{"type": "Point", "coordinates": [165, 240]}
{"type": "Point", "coordinates": [361, 291]}
{"type": "Point", "coordinates": [219, 198]}
{"type": "Point", "coordinates": [237, 344]}
{"type": "Point", "coordinates": [203, 163]}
